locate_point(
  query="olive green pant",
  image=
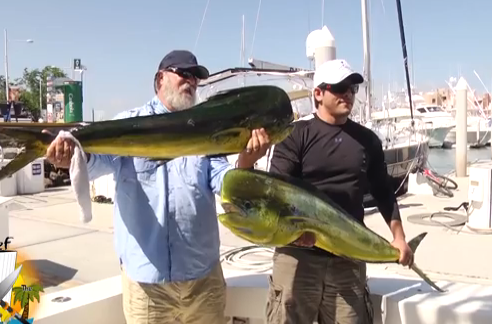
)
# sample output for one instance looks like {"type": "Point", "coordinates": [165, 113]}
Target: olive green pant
{"type": "Point", "coordinates": [200, 301]}
{"type": "Point", "coordinates": [308, 286]}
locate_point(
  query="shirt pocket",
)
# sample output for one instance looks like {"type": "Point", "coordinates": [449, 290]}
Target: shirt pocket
{"type": "Point", "coordinates": [145, 169]}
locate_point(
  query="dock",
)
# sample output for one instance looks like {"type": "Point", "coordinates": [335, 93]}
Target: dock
{"type": "Point", "coordinates": [67, 253]}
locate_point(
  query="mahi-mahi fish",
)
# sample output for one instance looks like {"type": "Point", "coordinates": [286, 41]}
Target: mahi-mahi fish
{"type": "Point", "coordinates": [274, 210]}
{"type": "Point", "coordinates": [221, 125]}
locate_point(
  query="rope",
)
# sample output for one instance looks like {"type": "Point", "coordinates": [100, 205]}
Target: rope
{"type": "Point", "coordinates": [457, 220]}
{"type": "Point", "coordinates": [235, 257]}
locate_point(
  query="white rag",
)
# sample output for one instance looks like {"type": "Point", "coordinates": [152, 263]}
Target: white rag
{"type": "Point", "coordinates": [79, 177]}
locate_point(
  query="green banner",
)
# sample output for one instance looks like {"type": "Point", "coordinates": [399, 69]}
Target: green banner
{"type": "Point", "coordinates": [72, 94]}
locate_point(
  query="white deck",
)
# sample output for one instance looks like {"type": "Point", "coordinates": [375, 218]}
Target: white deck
{"type": "Point", "coordinates": [78, 261]}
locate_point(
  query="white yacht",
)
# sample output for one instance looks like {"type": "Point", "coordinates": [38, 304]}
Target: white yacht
{"type": "Point", "coordinates": [433, 127]}
{"type": "Point", "coordinates": [478, 132]}
{"type": "Point", "coordinates": [438, 123]}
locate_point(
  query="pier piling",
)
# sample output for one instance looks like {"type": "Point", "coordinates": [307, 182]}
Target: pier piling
{"type": "Point", "coordinates": [461, 127]}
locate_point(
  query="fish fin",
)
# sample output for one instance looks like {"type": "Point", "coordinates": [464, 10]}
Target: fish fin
{"type": "Point", "coordinates": [26, 135]}
{"type": "Point", "coordinates": [425, 278]}
{"type": "Point", "coordinates": [35, 144]}
{"type": "Point", "coordinates": [415, 242]}
{"type": "Point", "coordinates": [299, 219]}
{"type": "Point", "coordinates": [226, 135]}
{"type": "Point", "coordinates": [20, 161]}
{"type": "Point", "coordinates": [308, 224]}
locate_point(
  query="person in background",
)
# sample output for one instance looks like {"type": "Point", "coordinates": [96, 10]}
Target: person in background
{"type": "Point", "coordinates": [165, 219]}
{"type": "Point", "coordinates": [342, 158]}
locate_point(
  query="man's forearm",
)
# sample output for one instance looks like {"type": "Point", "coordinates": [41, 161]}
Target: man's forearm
{"type": "Point", "coordinates": [396, 229]}
{"type": "Point", "coordinates": [240, 164]}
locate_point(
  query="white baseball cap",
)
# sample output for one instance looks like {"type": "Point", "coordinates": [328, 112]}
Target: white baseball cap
{"type": "Point", "coordinates": [335, 71]}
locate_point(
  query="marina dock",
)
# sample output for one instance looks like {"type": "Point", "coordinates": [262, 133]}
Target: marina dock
{"type": "Point", "coordinates": [67, 253]}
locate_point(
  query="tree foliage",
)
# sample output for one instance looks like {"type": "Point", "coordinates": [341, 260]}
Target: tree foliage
{"type": "Point", "coordinates": [2, 88]}
{"type": "Point", "coordinates": [30, 87]}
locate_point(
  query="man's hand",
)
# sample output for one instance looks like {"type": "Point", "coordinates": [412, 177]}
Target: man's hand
{"type": "Point", "coordinates": [60, 152]}
{"type": "Point", "coordinates": [305, 240]}
{"type": "Point", "coordinates": [406, 254]}
{"type": "Point", "coordinates": [257, 146]}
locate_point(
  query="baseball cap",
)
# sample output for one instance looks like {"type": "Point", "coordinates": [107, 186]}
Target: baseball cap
{"type": "Point", "coordinates": [334, 72]}
{"type": "Point", "coordinates": [184, 60]}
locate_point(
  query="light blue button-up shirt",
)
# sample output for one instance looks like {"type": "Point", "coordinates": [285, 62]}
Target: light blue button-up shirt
{"type": "Point", "coordinates": [165, 219]}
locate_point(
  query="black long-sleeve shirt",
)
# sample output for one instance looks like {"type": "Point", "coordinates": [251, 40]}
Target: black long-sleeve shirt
{"type": "Point", "coordinates": [343, 161]}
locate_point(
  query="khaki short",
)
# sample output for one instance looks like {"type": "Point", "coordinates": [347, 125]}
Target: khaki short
{"type": "Point", "coordinates": [307, 286]}
{"type": "Point", "coordinates": [191, 302]}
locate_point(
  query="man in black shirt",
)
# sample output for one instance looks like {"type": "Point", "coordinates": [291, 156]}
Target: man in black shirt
{"type": "Point", "coordinates": [342, 158]}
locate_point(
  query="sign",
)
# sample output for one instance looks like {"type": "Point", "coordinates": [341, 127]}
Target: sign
{"type": "Point", "coordinates": [72, 94]}
{"type": "Point", "coordinates": [77, 64]}
{"type": "Point", "coordinates": [25, 293]}
{"type": "Point", "coordinates": [36, 169]}
{"type": "Point", "coordinates": [49, 113]}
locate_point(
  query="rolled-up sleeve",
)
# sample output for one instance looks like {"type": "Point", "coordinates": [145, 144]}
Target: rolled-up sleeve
{"type": "Point", "coordinates": [102, 164]}
{"type": "Point", "coordinates": [218, 168]}
{"type": "Point", "coordinates": [99, 165]}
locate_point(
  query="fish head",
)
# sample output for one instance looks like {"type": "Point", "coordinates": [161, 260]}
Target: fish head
{"type": "Point", "coordinates": [276, 128]}
{"type": "Point", "coordinates": [248, 222]}
{"type": "Point", "coordinates": [277, 121]}
{"type": "Point", "coordinates": [247, 208]}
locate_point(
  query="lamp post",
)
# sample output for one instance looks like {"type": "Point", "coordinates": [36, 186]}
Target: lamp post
{"type": "Point", "coordinates": [6, 40]}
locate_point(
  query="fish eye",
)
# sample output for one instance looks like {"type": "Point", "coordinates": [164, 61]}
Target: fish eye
{"type": "Point", "coordinates": [247, 205]}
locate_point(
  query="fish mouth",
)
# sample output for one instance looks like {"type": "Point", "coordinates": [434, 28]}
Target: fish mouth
{"type": "Point", "coordinates": [244, 230]}
{"type": "Point", "coordinates": [231, 208]}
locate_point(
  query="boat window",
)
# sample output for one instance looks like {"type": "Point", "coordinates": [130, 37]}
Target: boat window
{"type": "Point", "coordinates": [435, 109]}
{"type": "Point", "coordinates": [422, 110]}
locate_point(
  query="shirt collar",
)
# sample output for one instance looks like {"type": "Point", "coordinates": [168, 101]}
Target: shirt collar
{"type": "Point", "coordinates": [157, 106]}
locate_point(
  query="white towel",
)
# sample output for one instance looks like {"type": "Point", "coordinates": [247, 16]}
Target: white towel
{"type": "Point", "coordinates": [79, 177]}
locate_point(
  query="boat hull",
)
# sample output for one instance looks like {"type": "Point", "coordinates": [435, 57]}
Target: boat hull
{"type": "Point", "coordinates": [474, 137]}
{"type": "Point", "coordinates": [400, 161]}
{"type": "Point", "coordinates": [438, 135]}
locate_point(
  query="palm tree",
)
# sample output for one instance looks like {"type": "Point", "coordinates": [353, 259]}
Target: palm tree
{"type": "Point", "coordinates": [25, 295]}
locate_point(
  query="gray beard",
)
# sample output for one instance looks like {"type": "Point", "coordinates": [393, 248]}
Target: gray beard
{"type": "Point", "coordinates": [179, 100]}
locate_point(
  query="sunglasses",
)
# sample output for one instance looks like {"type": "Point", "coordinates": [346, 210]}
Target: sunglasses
{"type": "Point", "coordinates": [340, 88]}
{"type": "Point", "coordinates": [182, 73]}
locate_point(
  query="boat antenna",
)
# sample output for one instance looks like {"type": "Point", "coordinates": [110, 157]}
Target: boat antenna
{"type": "Point", "coordinates": [201, 25]}
{"type": "Point", "coordinates": [256, 26]}
{"type": "Point", "coordinates": [405, 58]}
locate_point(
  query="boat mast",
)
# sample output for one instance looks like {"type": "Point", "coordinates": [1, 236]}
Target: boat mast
{"type": "Point", "coordinates": [367, 59]}
{"type": "Point", "coordinates": [242, 56]}
{"type": "Point", "coordinates": [405, 57]}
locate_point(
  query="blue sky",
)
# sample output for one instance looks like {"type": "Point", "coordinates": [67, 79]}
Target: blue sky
{"type": "Point", "coordinates": [122, 43]}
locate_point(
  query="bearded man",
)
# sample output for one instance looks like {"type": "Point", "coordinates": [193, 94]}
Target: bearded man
{"type": "Point", "coordinates": [165, 223]}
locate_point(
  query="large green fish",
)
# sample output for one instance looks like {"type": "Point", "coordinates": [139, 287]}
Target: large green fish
{"type": "Point", "coordinates": [221, 125]}
{"type": "Point", "coordinates": [272, 210]}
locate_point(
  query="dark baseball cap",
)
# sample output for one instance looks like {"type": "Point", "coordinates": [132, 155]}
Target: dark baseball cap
{"type": "Point", "coordinates": [184, 60]}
